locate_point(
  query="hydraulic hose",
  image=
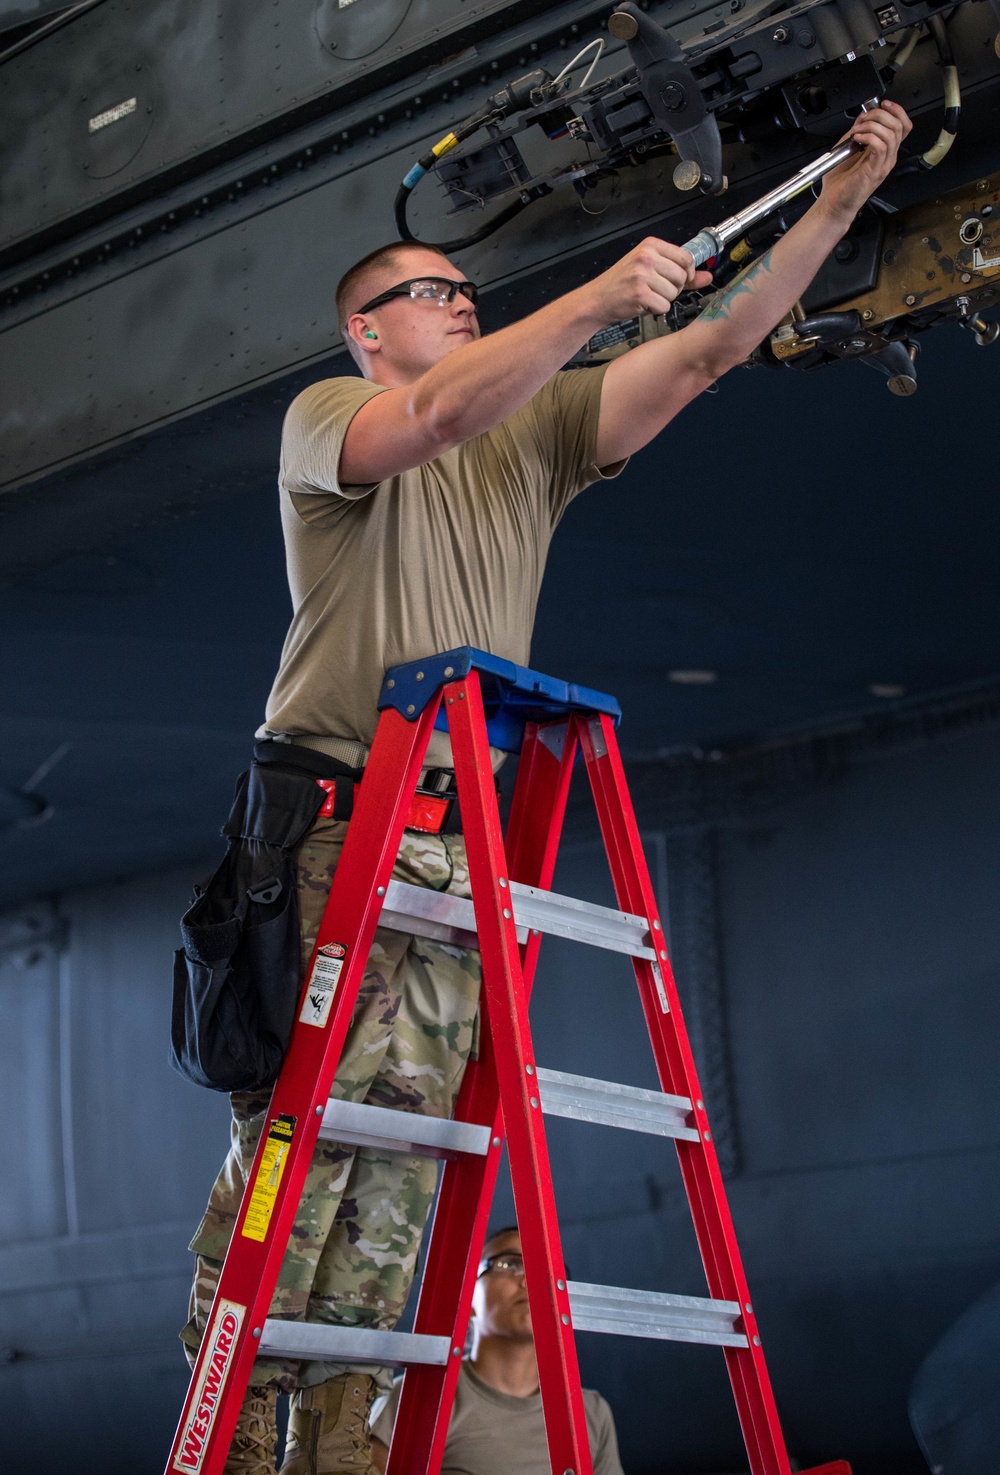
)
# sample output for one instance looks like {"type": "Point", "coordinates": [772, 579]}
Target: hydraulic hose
{"type": "Point", "coordinates": [904, 51]}
{"type": "Point", "coordinates": [952, 96]}
{"type": "Point", "coordinates": [494, 223]}
{"type": "Point", "coordinates": [513, 98]}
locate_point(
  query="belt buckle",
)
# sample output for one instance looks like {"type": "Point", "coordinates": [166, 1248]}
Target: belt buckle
{"type": "Point", "coordinates": [429, 813]}
{"type": "Point", "coordinates": [433, 802]}
{"type": "Point", "coordinates": [326, 808]}
{"type": "Point", "coordinates": [430, 810]}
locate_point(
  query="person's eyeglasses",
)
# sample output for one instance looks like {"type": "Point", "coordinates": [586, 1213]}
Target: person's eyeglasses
{"type": "Point", "coordinates": [507, 1262]}
{"type": "Point", "coordinates": [425, 289]}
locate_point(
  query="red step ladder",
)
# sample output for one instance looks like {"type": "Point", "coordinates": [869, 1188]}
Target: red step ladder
{"type": "Point", "coordinates": [480, 699]}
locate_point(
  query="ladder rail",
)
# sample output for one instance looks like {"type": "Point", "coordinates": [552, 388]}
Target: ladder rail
{"type": "Point", "coordinates": [250, 1271]}
{"type": "Point", "coordinates": [507, 1016]}
{"type": "Point", "coordinates": [466, 1193]}
{"type": "Point", "coordinates": [675, 1062]}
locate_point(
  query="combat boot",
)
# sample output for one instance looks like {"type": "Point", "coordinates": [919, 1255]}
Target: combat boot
{"type": "Point", "coordinates": [328, 1429]}
{"type": "Point", "coordinates": [256, 1439]}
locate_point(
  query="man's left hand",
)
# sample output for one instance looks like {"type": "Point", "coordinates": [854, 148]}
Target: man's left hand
{"type": "Point", "coordinates": [880, 132]}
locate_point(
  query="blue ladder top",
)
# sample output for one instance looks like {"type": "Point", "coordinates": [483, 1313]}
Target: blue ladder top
{"type": "Point", "coordinates": [512, 695]}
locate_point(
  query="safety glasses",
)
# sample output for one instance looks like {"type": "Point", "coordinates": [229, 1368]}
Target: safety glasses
{"type": "Point", "coordinates": [425, 289]}
{"type": "Point", "coordinates": [507, 1262]}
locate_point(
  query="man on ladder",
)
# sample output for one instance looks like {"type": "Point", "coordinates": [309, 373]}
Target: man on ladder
{"type": "Point", "coordinates": [418, 503]}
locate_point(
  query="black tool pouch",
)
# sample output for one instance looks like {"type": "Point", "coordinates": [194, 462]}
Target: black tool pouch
{"type": "Point", "coordinates": [236, 979]}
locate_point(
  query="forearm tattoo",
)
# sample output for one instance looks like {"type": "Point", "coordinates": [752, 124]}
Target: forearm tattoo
{"type": "Point", "coordinates": [721, 304]}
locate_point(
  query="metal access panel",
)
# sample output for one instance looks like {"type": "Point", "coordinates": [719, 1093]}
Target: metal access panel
{"type": "Point", "coordinates": [141, 90]}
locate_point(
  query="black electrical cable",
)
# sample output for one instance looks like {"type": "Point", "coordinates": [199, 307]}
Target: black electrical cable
{"type": "Point", "coordinates": [56, 24]}
{"type": "Point", "coordinates": [405, 233]}
{"type": "Point", "coordinates": [513, 98]}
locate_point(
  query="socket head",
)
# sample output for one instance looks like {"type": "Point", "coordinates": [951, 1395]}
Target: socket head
{"type": "Point", "coordinates": [623, 27]}
{"type": "Point", "coordinates": [687, 174]}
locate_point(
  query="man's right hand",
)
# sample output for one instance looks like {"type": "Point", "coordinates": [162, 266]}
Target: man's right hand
{"type": "Point", "coordinates": [648, 279]}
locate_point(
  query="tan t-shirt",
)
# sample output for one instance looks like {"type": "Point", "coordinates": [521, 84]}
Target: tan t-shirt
{"type": "Point", "coordinates": [451, 553]}
{"type": "Point", "coordinates": [493, 1433]}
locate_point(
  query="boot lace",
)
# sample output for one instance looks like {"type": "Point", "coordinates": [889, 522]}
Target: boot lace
{"type": "Point", "coordinates": [256, 1438]}
{"type": "Point", "coordinates": [356, 1428]}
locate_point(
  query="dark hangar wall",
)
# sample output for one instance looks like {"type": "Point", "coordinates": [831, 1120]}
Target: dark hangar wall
{"type": "Point", "coordinates": [835, 940]}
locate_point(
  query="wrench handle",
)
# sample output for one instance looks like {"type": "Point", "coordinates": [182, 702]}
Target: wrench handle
{"type": "Point", "coordinates": [714, 239]}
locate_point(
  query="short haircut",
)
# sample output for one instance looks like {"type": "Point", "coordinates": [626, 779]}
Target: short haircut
{"type": "Point", "coordinates": [351, 287]}
{"type": "Point", "coordinates": [491, 1239]}
{"type": "Point", "coordinates": [499, 1234]}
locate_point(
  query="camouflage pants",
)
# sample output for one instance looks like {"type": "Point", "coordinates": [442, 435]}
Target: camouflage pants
{"type": "Point", "coordinates": [353, 1248]}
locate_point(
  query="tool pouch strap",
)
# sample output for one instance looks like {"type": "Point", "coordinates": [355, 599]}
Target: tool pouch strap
{"type": "Point", "coordinates": [237, 976]}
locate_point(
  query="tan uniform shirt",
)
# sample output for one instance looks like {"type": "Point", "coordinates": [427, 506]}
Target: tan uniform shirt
{"type": "Point", "coordinates": [451, 553]}
{"type": "Point", "coordinates": [493, 1433]}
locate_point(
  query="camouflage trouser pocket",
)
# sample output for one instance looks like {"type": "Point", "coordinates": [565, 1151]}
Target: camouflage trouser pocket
{"type": "Point", "coordinates": [353, 1248]}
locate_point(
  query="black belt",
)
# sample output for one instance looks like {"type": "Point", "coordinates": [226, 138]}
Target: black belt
{"type": "Point", "coordinates": [434, 809]}
{"type": "Point", "coordinates": [431, 809]}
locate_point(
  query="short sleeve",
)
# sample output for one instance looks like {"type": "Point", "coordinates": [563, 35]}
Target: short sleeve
{"type": "Point", "coordinates": [312, 437]}
{"type": "Point", "coordinates": [566, 413]}
{"type": "Point", "coordinates": [603, 1435]}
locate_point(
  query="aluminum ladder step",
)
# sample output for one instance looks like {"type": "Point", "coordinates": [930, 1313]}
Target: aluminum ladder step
{"type": "Point", "coordinates": [656, 1314]}
{"type": "Point", "coordinates": [435, 914]}
{"type": "Point", "coordinates": [581, 1098]}
{"type": "Point", "coordinates": [631, 1107]}
{"type": "Point", "coordinates": [312, 1340]}
{"type": "Point", "coordinates": [401, 1131]}
{"type": "Point", "coordinates": [594, 1308]}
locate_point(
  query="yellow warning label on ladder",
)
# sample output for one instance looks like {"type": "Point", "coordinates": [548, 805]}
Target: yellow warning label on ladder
{"type": "Point", "coordinates": [265, 1188]}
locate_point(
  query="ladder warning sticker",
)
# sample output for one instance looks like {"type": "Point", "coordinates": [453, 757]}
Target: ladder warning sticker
{"type": "Point", "coordinates": [323, 984]}
{"type": "Point", "coordinates": [205, 1396]}
{"type": "Point", "coordinates": [268, 1181]}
